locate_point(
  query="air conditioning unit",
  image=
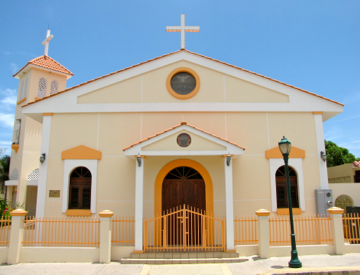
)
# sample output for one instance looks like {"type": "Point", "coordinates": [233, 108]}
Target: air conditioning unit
{"type": "Point", "coordinates": [324, 200]}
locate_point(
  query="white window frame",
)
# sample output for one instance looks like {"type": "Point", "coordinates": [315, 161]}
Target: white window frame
{"type": "Point", "coordinates": [69, 166]}
{"type": "Point", "coordinates": [295, 163]}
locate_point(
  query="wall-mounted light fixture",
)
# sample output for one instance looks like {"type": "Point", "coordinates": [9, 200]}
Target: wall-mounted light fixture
{"type": "Point", "coordinates": [228, 159]}
{"type": "Point", "coordinates": [323, 155]}
{"type": "Point", "coordinates": [42, 158]}
{"type": "Point", "coordinates": [138, 159]}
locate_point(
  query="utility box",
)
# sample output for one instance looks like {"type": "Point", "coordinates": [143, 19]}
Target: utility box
{"type": "Point", "coordinates": [324, 200]}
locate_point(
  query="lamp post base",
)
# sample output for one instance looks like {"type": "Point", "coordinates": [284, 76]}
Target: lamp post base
{"type": "Point", "coordinates": [294, 262]}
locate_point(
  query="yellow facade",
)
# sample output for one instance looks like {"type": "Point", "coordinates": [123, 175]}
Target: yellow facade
{"type": "Point", "coordinates": [116, 113]}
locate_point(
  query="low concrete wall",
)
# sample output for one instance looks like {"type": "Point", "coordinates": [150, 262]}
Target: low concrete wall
{"type": "Point", "coordinates": [283, 251]}
{"type": "Point", "coordinates": [59, 254]}
{"type": "Point", "coordinates": [4, 255]}
{"type": "Point", "coordinates": [247, 250]}
{"type": "Point", "coordinates": [119, 252]}
{"type": "Point", "coordinates": [352, 248]}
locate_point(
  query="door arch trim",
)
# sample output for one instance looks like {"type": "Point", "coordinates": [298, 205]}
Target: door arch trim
{"type": "Point", "coordinates": [209, 202]}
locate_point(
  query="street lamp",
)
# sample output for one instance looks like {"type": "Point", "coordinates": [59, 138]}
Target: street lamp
{"type": "Point", "coordinates": [285, 147]}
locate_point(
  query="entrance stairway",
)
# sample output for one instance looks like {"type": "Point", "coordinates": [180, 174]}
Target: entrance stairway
{"type": "Point", "coordinates": [183, 258]}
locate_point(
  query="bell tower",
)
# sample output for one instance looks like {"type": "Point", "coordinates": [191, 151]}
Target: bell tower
{"type": "Point", "coordinates": [40, 78]}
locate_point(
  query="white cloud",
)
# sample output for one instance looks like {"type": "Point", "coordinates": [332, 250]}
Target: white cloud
{"type": "Point", "coordinates": [9, 100]}
{"type": "Point", "coordinates": [5, 142]}
{"type": "Point", "coordinates": [8, 91]}
{"type": "Point", "coordinates": [14, 67]}
{"type": "Point", "coordinates": [7, 120]}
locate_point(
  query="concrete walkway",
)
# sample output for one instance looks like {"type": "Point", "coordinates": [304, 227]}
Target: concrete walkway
{"type": "Point", "coordinates": [346, 264]}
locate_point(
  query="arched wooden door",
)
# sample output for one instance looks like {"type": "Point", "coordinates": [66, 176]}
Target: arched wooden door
{"type": "Point", "coordinates": [183, 186]}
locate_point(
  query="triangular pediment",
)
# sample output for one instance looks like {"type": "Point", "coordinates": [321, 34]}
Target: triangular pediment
{"type": "Point", "coordinates": [143, 88]}
{"type": "Point", "coordinates": [81, 152]}
{"type": "Point", "coordinates": [197, 142]}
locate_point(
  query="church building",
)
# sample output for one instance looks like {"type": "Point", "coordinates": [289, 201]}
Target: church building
{"type": "Point", "coordinates": [179, 129]}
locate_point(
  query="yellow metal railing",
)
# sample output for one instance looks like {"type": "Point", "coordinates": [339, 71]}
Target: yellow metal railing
{"type": "Point", "coordinates": [5, 225]}
{"type": "Point", "coordinates": [61, 231]}
{"type": "Point", "coordinates": [184, 228]}
{"type": "Point", "coordinates": [351, 224]}
{"type": "Point", "coordinates": [245, 230]}
{"type": "Point", "coordinates": [311, 229]}
{"type": "Point", "coordinates": [123, 231]}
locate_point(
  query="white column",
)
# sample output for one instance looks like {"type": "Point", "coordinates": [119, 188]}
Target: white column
{"type": "Point", "coordinates": [324, 183]}
{"type": "Point", "coordinates": [139, 202]}
{"type": "Point", "coordinates": [263, 233]}
{"type": "Point", "coordinates": [337, 229]}
{"type": "Point", "coordinates": [43, 168]}
{"type": "Point", "coordinates": [105, 236]}
{"type": "Point", "coordinates": [229, 205]}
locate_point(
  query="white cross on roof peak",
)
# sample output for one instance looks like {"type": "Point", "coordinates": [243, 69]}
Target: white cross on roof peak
{"type": "Point", "coordinates": [46, 41]}
{"type": "Point", "coordinates": [182, 28]}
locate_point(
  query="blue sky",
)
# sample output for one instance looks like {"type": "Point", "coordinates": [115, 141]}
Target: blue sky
{"type": "Point", "coordinates": [314, 45]}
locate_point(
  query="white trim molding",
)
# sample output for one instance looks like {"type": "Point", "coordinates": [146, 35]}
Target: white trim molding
{"type": "Point", "coordinates": [324, 182]}
{"type": "Point", "coordinates": [295, 163]}
{"type": "Point", "coordinates": [69, 166]}
{"type": "Point", "coordinates": [11, 182]}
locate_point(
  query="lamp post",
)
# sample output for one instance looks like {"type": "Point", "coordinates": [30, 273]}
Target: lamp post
{"type": "Point", "coordinates": [285, 147]}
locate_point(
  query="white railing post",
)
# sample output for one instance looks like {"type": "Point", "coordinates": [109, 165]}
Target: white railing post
{"type": "Point", "coordinates": [16, 235]}
{"type": "Point", "coordinates": [337, 229]}
{"type": "Point", "coordinates": [105, 236]}
{"type": "Point", "coordinates": [263, 233]}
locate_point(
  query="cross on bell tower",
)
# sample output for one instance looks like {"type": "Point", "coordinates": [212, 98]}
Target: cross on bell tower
{"type": "Point", "coordinates": [46, 42]}
{"type": "Point", "coordinates": [182, 28]}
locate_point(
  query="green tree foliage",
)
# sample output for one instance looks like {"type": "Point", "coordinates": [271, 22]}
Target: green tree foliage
{"type": "Point", "coordinates": [4, 170]}
{"type": "Point", "coordinates": [337, 155]}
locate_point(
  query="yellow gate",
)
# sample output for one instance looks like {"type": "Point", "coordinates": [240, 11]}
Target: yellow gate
{"type": "Point", "coordinates": [184, 229]}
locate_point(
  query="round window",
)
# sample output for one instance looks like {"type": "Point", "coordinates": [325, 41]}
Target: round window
{"type": "Point", "coordinates": [183, 140]}
{"type": "Point", "coordinates": [183, 83]}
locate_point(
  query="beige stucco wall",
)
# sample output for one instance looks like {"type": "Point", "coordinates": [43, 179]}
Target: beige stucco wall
{"type": "Point", "coordinates": [350, 189]}
{"type": "Point", "coordinates": [151, 87]}
{"type": "Point", "coordinates": [111, 132]}
{"type": "Point", "coordinates": [342, 173]}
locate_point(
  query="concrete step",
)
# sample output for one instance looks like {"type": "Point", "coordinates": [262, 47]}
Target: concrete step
{"type": "Point", "coordinates": [182, 261]}
{"type": "Point", "coordinates": [184, 255]}
{"type": "Point", "coordinates": [183, 258]}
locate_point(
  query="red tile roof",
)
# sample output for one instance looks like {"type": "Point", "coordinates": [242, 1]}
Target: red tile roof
{"type": "Point", "coordinates": [176, 126]}
{"type": "Point", "coordinates": [47, 62]}
{"type": "Point", "coordinates": [82, 84]}
{"type": "Point", "coordinates": [356, 163]}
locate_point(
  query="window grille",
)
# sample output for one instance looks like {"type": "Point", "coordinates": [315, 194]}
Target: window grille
{"type": "Point", "coordinates": [34, 175]}
{"type": "Point", "coordinates": [42, 87]}
{"type": "Point", "coordinates": [26, 88]}
{"type": "Point", "coordinates": [14, 175]}
{"type": "Point", "coordinates": [21, 90]}
{"type": "Point", "coordinates": [344, 200]}
{"type": "Point", "coordinates": [54, 87]}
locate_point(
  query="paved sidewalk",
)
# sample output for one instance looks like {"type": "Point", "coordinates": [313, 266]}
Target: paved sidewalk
{"type": "Point", "coordinates": [311, 265]}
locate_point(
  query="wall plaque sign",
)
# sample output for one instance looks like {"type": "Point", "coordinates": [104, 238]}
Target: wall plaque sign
{"type": "Point", "coordinates": [183, 140]}
{"type": "Point", "coordinates": [54, 193]}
